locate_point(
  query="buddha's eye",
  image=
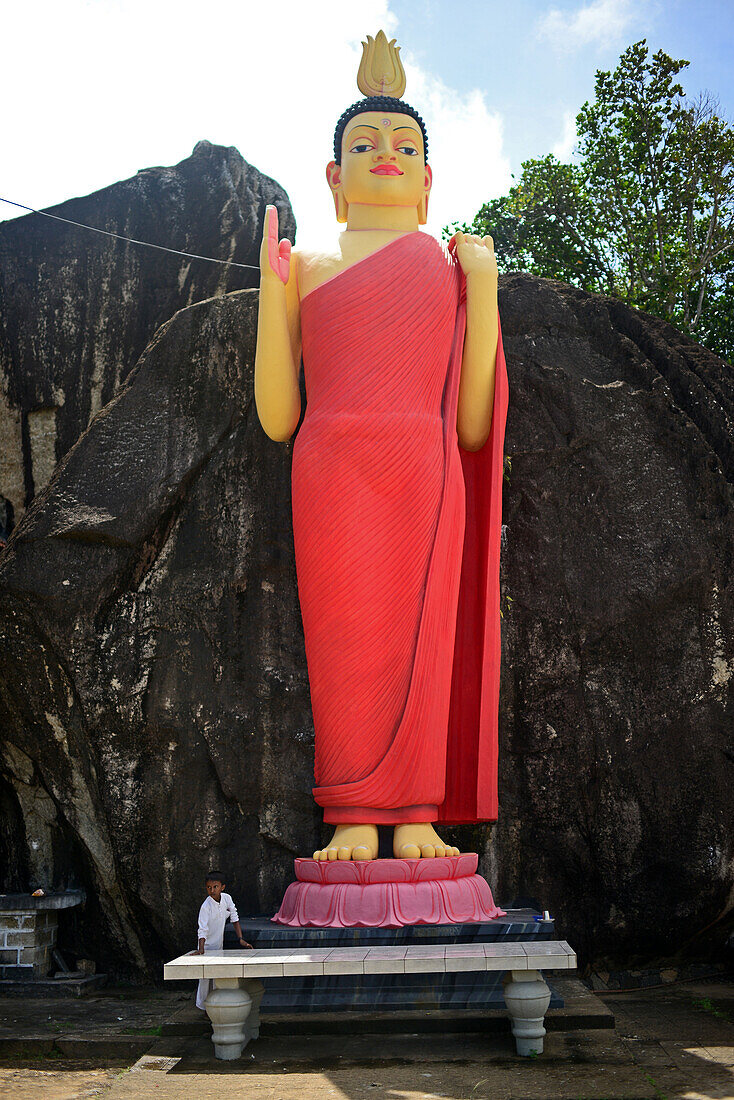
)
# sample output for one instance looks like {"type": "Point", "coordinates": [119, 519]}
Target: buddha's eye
{"type": "Point", "coordinates": [409, 150]}
{"type": "Point", "coordinates": [361, 148]}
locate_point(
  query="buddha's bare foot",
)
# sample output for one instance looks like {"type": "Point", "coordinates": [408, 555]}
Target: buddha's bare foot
{"type": "Point", "coordinates": [351, 842]}
{"type": "Point", "coordinates": [419, 840]}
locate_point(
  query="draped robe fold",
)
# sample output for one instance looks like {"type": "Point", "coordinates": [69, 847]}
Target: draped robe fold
{"type": "Point", "coordinates": [397, 542]}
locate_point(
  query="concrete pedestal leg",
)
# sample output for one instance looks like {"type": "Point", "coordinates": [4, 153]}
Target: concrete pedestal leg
{"type": "Point", "coordinates": [228, 1007]}
{"type": "Point", "coordinates": [256, 989]}
{"type": "Point", "coordinates": [527, 998]}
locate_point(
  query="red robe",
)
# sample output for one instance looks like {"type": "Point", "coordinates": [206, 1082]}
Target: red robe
{"type": "Point", "coordinates": [399, 596]}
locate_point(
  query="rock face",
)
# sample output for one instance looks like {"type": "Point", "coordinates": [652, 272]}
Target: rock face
{"type": "Point", "coordinates": [618, 679]}
{"type": "Point", "coordinates": [77, 309]}
{"type": "Point", "coordinates": [154, 690]}
{"type": "Point", "coordinates": [150, 607]}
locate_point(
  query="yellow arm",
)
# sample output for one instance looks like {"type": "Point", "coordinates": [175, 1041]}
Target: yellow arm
{"type": "Point", "coordinates": [278, 351]}
{"type": "Point", "coordinates": [476, 386]}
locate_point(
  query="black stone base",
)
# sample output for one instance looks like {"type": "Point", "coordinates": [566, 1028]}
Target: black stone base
{"type": "Point", "coordinates": [385, 992]}
{"type": "Point", "coordinates": [518, 925]}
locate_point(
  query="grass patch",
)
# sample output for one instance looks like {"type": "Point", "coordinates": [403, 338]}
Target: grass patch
{"type": "Point", "coordinates": [705, 1004]}
{"type": "Point", "coordinates": [653, 1082]}
{"type": "Point", "coordinates": [157, 1030]}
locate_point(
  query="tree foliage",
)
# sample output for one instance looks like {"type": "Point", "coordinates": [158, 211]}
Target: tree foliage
{"type": "Point", "coordinates": [647, 212]}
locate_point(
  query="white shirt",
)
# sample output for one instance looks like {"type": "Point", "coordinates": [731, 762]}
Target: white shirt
{"type": "Point", "coordinates": [212, 919]}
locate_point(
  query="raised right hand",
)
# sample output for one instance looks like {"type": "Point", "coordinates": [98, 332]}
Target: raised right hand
{"type": "Point", "coordinates": [275, 256]}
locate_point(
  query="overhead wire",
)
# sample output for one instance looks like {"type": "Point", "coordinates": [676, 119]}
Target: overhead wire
{"type": "Point", "coordinates": [129, 240]}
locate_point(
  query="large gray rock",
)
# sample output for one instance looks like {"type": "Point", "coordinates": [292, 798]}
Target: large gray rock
{"type": "Point", "coordinates": [77, 309]}
{"type": "Point", "coordinates": [154, 691]}
{"type": "Point", "coordinates": [617, 756]}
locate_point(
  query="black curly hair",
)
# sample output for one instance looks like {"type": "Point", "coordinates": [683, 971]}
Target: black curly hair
{"type": "Point", "coordinates": [377, 103]}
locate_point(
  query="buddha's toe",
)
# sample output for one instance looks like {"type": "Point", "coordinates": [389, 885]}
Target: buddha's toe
{"type": "Point", "coordinates": [409, 851]}
{"type": "Point", "coordinates": [350, 842]}
{"type": "Point", "coordinates": [440, 850]}
{"type": "Point", "coordinates": [428, 851]}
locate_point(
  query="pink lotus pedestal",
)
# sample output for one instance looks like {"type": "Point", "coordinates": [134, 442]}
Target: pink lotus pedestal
{"type": "Point", "coordinates": [387, 893]}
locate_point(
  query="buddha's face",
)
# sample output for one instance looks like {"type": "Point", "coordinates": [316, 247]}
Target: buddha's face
{"type": "Point", "coordinates": [382, 163]}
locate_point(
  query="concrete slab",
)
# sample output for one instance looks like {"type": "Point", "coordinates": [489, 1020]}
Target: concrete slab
{"type": "Point", "coordinates": [66, 899]}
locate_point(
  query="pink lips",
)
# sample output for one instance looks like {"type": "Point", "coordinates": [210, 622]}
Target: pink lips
{"type": "Point", "coordinates": [386, 170]}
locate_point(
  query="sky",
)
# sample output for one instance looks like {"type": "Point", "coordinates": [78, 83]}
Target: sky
{"type": "Point", "coordinates": [95, 90]}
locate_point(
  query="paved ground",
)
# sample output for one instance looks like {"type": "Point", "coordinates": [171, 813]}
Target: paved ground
{"type": "Point", "coordinates": [122, 1012]}
{"type": "Point", "coordinates": [674, 1042]}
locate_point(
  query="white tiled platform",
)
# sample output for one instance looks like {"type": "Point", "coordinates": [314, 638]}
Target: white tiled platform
{"type": "Point", "coordinates": [435, 959]}
{"type": "Point", "coordinates": [237, 993]}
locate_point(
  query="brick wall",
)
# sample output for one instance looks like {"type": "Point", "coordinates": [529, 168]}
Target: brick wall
{"type": "Point", "coordinates": [27, 938]}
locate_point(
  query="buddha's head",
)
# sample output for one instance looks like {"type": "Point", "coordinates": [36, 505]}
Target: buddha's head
{"type": "Point", "coordinates": [380, 142]}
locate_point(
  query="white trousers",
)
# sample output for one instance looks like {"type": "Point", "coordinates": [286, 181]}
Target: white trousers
{"type": "Point", "coordinates": [205, 984]}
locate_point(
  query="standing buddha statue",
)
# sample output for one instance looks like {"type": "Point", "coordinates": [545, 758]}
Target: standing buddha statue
{"type": "Point", "coordinates": [396, 484]}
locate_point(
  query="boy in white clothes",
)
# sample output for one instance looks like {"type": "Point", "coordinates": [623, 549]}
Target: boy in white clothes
{"type": "Point", "coordinates": [213, 915]}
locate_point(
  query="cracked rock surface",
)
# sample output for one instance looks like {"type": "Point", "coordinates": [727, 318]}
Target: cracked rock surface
{"type": "Point", "coordinates": [153, 688]}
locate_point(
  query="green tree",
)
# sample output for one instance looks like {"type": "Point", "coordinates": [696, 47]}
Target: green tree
{"type": "Point", "coordinates": [647, 213]}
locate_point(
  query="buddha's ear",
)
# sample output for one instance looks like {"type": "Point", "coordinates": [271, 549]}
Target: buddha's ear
{"type": "Point", "coordinates": [423, 204]}
{"type": "Point", "coordinates": [334, 178]}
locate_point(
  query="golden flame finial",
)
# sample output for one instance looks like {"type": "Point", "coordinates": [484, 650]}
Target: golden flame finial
{"type": "Point", "coordinates": [381, 70]}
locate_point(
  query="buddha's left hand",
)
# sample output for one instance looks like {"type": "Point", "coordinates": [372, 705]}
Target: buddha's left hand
{"type": "Point", "coordinates": [475, 254]}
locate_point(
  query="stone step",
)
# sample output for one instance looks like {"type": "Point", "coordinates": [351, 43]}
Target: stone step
{"type": "Point", "coordinates": [388, 992]}
{"type": "Point", "coordinates": [53, 987]}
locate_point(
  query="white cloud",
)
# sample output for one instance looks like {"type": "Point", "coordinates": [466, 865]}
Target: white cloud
{"type": "Point", "coordinates": [464, 149]}
{"type": "Point", "coordinates": [599, 23]}
{"type": "Point", "coordinates": [112, 86]}
{"type": "Point", "coordinates": [565, 146]}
